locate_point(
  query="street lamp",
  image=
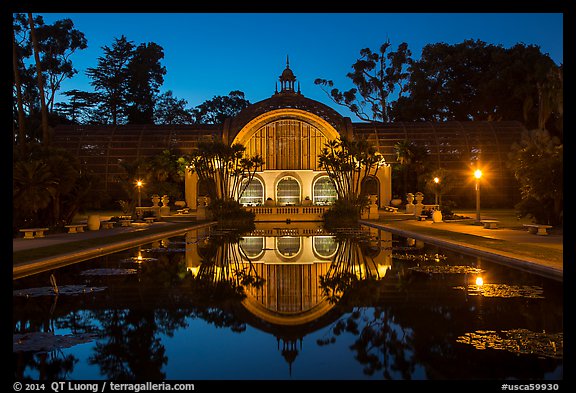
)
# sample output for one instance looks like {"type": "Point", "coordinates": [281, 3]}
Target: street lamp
{"type": "Point", "coordinates": [139, 184]}
{"type": "Point", "coordinates": [477, 175]}
{"type": "Point", "coordinates": [436, 181]}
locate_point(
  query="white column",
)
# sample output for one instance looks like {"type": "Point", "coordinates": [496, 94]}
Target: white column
{"type": "Point", "coordinates": [191, 189]}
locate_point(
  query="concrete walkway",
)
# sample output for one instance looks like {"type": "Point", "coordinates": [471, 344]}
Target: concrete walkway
{"type": "Point", "coordinates": [424, 230]}
{"type": "Point", "coordinates": [36, 265]}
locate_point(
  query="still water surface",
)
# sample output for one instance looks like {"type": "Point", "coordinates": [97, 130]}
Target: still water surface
{"type": "Point", "coordinates": [287, 303]}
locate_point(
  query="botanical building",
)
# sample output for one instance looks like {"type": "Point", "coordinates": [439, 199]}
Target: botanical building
{"type": "Point", "coordinates": [289, 130]}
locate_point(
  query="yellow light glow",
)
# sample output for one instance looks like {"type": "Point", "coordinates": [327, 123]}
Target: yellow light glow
{"type": "Point", "coordinates": [139, 183]}
{"type": "Point", "coordinates": [477, 173]}
{"type": "Point", "coordinates": [436, 180]}
{"type": "Point", "coordinates": [479, 281]}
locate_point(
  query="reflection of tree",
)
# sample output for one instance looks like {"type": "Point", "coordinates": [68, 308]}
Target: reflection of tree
{"type": "Point", "coordinates": [219, 285]}
{"type": "Point", "coordinates": [131, 348]}
{"type": "Point", "coordinates": [350, 265]}
{"type": "Point", "coordinates": [51, 366]}
{"type": "Point", "coordinates": [382, 344]}
{"type": "Point", "coordinates": [225, 269]}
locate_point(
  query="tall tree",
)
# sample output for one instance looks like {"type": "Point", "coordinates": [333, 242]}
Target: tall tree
{"type": "Point", "coordinates": [376, 75]}
{"type": "Point", "coordinates": [473, 80]}
{"type": "Point", "coordinates": [18, 87]}
{"type": "Point", "coordinates": [171, 110]}
{"type": "Point", "coordinates": [57, 43]}
{"type": "Point", "coordinates": [219, 108]}
{"type": "Point", "coordinates": [537, 163]}
{"type": "Point", "coordinates": [145, 76]}
{"type": "Point", "coordinates": [110, 78]}
{"type": "Point", "coordinates": [40, 78]}
{"type": "Point", "coordinates": [79, 108]}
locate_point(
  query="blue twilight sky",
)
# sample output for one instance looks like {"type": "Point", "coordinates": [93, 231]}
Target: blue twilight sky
{"type": "Point", "coordinates": [209, 54]}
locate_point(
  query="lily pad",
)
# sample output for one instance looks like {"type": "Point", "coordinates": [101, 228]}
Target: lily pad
{"type": "Point", "coordinates": [420, 257]}
{"type": "Point", "coordinates": [62, 290]}
{"type": "Point", "coordinates": [165, 250]}
{"type": "Point", "coordinates": [108, 272]}
{"type": "Point", "coordinates": [47, 341]}
{"type": "Point", "coordinates": [138, 260]}
{"type": "Point", "coordinates": [504, 290]}
{"type": "Point", "coordinates": [446, 269]}
{"type": "Point", "coordinates": [518, 341]}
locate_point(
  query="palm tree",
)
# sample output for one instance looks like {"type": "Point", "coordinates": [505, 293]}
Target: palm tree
{"type": "Point", "coordinates": [404, 155]}
{"type": "Point", "coordinates": [34, 187]}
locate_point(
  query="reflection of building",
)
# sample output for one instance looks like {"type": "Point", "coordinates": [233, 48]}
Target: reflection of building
{"type": "Point", "coordinates": [292, 260]}
{"type": "Point", "coordinates": [289, 130]}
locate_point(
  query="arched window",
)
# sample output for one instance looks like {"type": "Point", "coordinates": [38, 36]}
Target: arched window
{"type": "Point", "coordinates": [288, 191]}
{"type": "Point", "coordinates": [324, 192]}
{"type": "Point", "coordinates": [370, 186]}
{"type": "Point", "coordinates": [252, 246]}
{"type": "Point", "coordinates": [324, 246]}
{"type": "Point", "coordinates": [253, 195]}
{"type": "Point", "coordinates": [288, 246]}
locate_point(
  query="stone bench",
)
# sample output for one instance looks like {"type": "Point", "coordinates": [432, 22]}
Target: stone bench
{"type": "Point", "coordinates": [107, 224]}
{"type": "Point", "coordinates": [422, 218]}
{"type": "Point", "coordinates": [149, 220]}
{"type": "Point", "coordinates": [490, 224]}
{"type": "Point", "coordinates": [538, 229]}
{"type": "Point", "coordinates": [31, 233]}
{"type": "Point", "coordinates": [75, 228]}
{"type": "Point", "coordinates": [125, 223]}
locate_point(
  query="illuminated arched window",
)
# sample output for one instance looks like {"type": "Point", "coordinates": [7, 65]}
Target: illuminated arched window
{"type": "Point", "coordinates": [253, 194]}
{"type": "Point", "coordinates": [288, 191]}
{"type": "Point", "coordinates": [288, 246]}
{"type": "Point", "coordinates": [325, 246]}
{"type": "Point", "coordinates": [252, 246]}
{"type": "Point", "coordinates": [324, 191]}
{"type": "Point", "coordinates": [287, 144]}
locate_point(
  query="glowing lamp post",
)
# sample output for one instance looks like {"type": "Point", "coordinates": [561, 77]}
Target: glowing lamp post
{"type": "Point", "coordinates": [139, 184]}
{"type": "Point", "coordinates": [436, 182]}
{"type": "Point", "coordinates": [478, 175]}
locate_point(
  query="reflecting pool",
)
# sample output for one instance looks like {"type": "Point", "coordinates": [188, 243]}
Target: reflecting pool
{"type": "Point", "coordinates": [287, 302]}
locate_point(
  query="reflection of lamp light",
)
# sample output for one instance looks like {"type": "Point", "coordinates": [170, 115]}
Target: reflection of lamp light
{"type": "Point", "coordinates": [478, 175]}
{"type": "Point", "coordinates": [479, 281]}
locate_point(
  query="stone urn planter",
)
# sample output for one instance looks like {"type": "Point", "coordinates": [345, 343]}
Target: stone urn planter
{"type": "Point", "coordinates": [410, 198]}
{"type": "Point", "coordinates": [419, 197]}
{"type": "Point", "coordinates": [437, 216]}
{"type": "Point", "coordinates": [165, 200]}
{"type": "Point", "coordinates": [93, 222]}
{"type": "Point", "coordinates": [396, 202]}
{"type": "Point", "coordinates": [155, 200]}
